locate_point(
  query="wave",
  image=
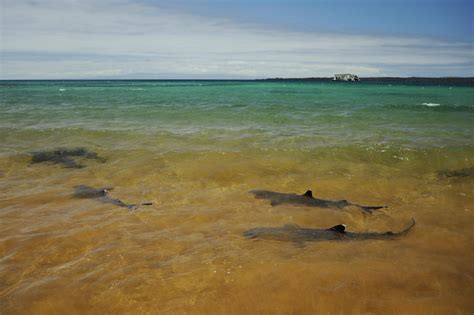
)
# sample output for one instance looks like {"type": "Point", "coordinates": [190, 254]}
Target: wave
{"type": "Point", "coordinates": [431, 107]}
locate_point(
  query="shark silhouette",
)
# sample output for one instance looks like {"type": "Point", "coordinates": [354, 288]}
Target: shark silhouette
{"type": "Point", "coordinates": [101, 194]}
{"type": "Point", "coordinates": [460, 173]}
{"type": "Point", "coordinates": [64, 157]}
{"type": "Point", "coordinates": [307, 199]}
{"type": "Point", "coordinates": [299, 235]}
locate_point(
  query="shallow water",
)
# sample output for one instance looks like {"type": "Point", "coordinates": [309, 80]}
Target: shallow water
{"type": "Point", "coordinates": [195, 149]}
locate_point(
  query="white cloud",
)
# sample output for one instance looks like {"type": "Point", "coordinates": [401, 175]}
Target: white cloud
{"type": "Point", "coordinates": [86, 39]}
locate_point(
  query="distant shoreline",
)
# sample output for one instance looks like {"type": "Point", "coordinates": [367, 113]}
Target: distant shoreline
{"type": "Point", "coordinates": [388, 80]}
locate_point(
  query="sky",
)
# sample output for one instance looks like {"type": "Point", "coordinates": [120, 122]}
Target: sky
{"type": "Point", "coordinates": [229, 39]}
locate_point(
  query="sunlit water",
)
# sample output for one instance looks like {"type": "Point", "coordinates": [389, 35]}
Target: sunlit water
{"type": "Point", "coordinates": [195, 149]}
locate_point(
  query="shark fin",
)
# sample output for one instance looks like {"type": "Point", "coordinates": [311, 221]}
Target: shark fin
{"type": "Point", "coordinates": [105, 190]}
{"type": "Point", "coordinates": [340, 228]}
{"type": "Point", "coordinates": [308, 194]}
{"type": "Point", "coordinates": [291, 226]}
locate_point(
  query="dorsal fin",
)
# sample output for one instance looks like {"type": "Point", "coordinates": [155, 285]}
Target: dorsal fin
{"type": "Point", "coordinates": [308, 194]}
{"type": "Point", "coordinates": [106, 190]}
{"type": "Point", "coordinates": [291, 226]}
{"type": "Point", "coordinates": [339, 228]}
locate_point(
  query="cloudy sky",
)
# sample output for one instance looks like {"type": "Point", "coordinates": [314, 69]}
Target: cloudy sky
{"type": "Point", "coordinates": [173, 39]}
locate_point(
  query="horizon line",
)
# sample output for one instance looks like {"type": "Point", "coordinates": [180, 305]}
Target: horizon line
{"type": "Point", "coordinates": [227, 79]}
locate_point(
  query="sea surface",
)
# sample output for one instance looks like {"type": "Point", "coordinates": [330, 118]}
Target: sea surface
{"type": "Point", "coordinates": [195, 149]}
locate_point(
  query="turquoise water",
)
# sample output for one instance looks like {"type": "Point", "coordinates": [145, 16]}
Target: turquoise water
{"type": "Point", "coordinates": [350, 121]}
{"type": "Point", "coordinates": [195, 149]}
{"type": "Point", "coordinates": [257, 114]}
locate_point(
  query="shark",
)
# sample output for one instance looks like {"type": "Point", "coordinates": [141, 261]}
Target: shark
{"type": "Point", "coordinates": [299, 235]}
{"type": "Point", "coordinates": [460, 173]}
{"type": "Point", "coordinates": [307, 199]}
{"type": "Point", "coordinates": [101, 195]}
{"type": "Point", "coordinates": [64, 157]}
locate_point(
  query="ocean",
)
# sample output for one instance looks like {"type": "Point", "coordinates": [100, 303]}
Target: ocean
{"type": "Point", "coordinates": [195, 149]}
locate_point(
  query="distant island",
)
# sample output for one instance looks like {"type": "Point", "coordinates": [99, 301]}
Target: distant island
{"type": "Point", "coordinates": [383, 80]}
{"type": "Point", "coordinates": [345, 77]}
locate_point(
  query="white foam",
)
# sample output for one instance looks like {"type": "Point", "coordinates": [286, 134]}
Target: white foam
{"type": "Point", "coordinates": [431, 104]}
{"type": "Point", "coordinates": [62, 90]}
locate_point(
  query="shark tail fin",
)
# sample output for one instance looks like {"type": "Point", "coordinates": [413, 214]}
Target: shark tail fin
{"type": "Point", "coordinates": [408, 228]}
{"type": "Point", "coordinates": [404, 231]}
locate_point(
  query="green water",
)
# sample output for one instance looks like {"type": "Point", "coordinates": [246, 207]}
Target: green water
{"type": "Point", "coordinates": [287, 115]}
{"type": "Point", "coordinates": [230, 116]}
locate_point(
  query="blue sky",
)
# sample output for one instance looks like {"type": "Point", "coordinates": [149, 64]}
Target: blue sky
{"type": "Point", "coordinates": [69, 39]}
{"type": "Point", "coordinates": [448, 19]}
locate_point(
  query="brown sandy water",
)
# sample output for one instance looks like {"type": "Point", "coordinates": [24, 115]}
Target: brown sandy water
{"type": "Point", "coordinates": [186, 253]}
